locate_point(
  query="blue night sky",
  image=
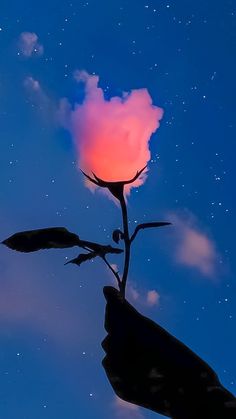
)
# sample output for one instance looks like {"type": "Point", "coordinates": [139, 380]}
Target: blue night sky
{"type": "Point", "coordinates": [51, 315]}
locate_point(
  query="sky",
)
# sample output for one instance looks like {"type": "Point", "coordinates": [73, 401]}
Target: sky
{"type": "Point", "coordinates": [183, 276]}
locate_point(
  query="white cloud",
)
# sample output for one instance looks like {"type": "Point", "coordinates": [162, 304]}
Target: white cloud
{"type": "Point", "coordinates": [32, 84]}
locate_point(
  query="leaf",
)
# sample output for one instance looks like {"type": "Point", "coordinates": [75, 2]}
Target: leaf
{"type": "Point", "coordinates": [148, 225]}
{"type": "Point", "coordinates": [117, 235]}
{"type": "Point", "coordinates": [83, 257]}
{"type": "Point", "coordinates": [99, 248]}
{"type": "Point", "coordinates": [45, 238]}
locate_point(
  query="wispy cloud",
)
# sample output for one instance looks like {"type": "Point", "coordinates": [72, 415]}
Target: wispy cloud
{"type": "Point", "coordinates": [29, 44]}
{"type": "Point", "coordinates": [193, 247]}
{"type": "Point", "coordinates": [28, 302]}
{"type": "Point", "coordinates": [134, 294]}
{"type": "Point", "coordinates": [33, 85]}
{"type": "Point", "coordinates": [40, 99]}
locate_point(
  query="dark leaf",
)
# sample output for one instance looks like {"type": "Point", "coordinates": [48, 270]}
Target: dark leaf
{"type": "Point", "coordinates": [117, 235]}
{"type": "Point", "coordinates": [99, 248]}
{"type": "Point", "coordinates": [148, 225]}
{"type": "Point", "coordinates": [45, 238]}
{"type": "Point", "coordinates": [83, 257]}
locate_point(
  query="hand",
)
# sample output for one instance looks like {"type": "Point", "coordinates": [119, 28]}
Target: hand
{"type": "Point", "coordinates": [149, 367]}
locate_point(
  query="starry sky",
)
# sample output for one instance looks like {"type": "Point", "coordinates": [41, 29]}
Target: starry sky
{"type": "Point", "coordinates": [183, 277]}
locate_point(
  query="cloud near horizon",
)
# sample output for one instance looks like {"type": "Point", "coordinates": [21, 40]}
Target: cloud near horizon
{"type": "Point", "coordinates": [30, 302]}
{"type": "Point", "coordinates": [193, 247]}
{"type": "Point", "coordinates": [111, 136]}
{"type": "Point", "coordinates": [29, 44]}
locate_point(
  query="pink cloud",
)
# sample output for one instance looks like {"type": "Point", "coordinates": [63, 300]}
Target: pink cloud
{"type": "Point", "coordinates": [152, 298]}
{"type": "Point", "coordinates": [193, 247]}
{"type": "Point", "coordinates": [127, 410]}
{"type": "Point", "coordinates": [29, 44]}
{"type": "Point", "coordinates": [146, 298]}
{"type": "Point", "coordinates": [111, 136]}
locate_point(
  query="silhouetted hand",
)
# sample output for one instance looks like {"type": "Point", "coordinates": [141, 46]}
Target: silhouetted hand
{"type": "Point", "coordinates": [148, 367]}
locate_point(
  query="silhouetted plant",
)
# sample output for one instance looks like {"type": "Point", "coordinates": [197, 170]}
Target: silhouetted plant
{"type": "Point", "coordinates": [60, 237]}
{"type": "Point", "coordinates": [145, 365]}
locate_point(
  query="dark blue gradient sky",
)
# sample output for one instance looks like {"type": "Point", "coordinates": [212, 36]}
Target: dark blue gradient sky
{"type": "Point", "coordinates": [51, 315]}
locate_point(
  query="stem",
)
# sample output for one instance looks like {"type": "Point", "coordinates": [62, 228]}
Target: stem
{"type": "Point", "coordinates": [113, 271]}
{"type": "Point", "coordinates": [127, 245]}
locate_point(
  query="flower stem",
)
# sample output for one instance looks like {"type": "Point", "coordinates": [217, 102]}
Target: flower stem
{"type": "Point", "coordinates": [127, 245]}
{"type": "Point", "coordinates": [115, 273]}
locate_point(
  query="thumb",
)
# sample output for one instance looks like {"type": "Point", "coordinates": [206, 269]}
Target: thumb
{"type": "Point", "coordinates": [120, 315]}
{"type": "Point", "coordinates": [111, 294]}
{"type": "Point", "coordinates": [114, 310]}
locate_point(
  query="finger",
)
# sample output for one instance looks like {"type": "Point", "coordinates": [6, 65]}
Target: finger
{"type": "Point", "coordinates": [117, 380]}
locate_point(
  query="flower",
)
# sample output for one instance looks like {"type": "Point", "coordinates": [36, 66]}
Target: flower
{"type": "Point", "coordinates": [116, 188]}
{"type": "Point", "coordinates": [112, 136]}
